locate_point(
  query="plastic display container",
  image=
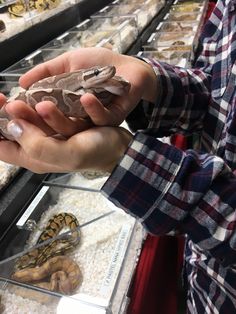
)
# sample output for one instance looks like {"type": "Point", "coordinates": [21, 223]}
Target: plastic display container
{"type": "Point", "coordinates": [37, 57]}
{"type": "Point", "coordinates": [185, 27]}
{"type": "Point", "coordinates": [73, 40]}
{"type": "Point", "coordinates": [109, 243]}
{"type": "Point", "coordinates": [164, 39]}
{"type": "Point", "coordinates": [179, 58]}
{"type": "Point", "coordinates": [151, 6]}
{"type": "Point", "coordinates": [141, 16]}
{"type": "Point", "coordinates": [42, 10]}
{"type": "Point", "coordinates": [182, 17]}
{"type": "Point", "coordinates": [187, 8]}
{"type": "Point", "coordinates": [14, 18]}
{"type": "Point", "coordinates": [127, 29]}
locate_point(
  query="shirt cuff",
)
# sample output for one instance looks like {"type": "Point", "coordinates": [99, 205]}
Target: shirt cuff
{"type": "Point", "coordinates": [143, 176]}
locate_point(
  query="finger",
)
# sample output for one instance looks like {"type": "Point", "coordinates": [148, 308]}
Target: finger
{"type": "Point", "coordinates": [3, 99]}
{"type": "Point", "coordinates": [58, 121]}
{"type": "Point", "coordinates": [12, 153]}
{"type": "Point", "coordinates": [37, 146]}
{"type": "Point", "coordinates": [102, 115]}
{"type": "Point", "coordinates": [19, 109]}
{"type": "Point", "coordinates": [49, 68]}
{"type": "Point", "coordinates": [67, 62]}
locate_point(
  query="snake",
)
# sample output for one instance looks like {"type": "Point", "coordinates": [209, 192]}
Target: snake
{"type": "Point", "coordinates": [20, 7]}
{"type": "Point", "coordinates": [56, 223]}
{"type": "Point", "coordinates": [66, 89]}
{"type": "Point", "coordinates": [64, 274]}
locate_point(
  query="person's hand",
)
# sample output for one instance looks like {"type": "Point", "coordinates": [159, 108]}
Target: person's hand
{"type": "Point", "coordinates": [98, 148]}
{"type": "Point", "coordinates": [138, 73]}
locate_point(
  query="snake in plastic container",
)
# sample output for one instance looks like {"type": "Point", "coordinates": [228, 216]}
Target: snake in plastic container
{"type": "Point", "coordinates": [66, 89]}
{"type": "Point", "coordinates": [49, 261]}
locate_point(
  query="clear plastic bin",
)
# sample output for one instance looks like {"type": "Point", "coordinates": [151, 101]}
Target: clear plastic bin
{"type": "Point", "coordinates": [44, 9]}
{"type": "Point", "coordinates": [126, 28]}
{"type": "Point", "coordinates": [27, 63]}
{"type": "Point", "coordinates": [73, 40]}
{"type": "Point", "coordinates": [14, 18]}
{"type": "Point", "coordinates": [151, 6]}
{"type": "Point", "coordinates": [179, 58]}
{"type": "Point", "coordinates": [185, 27]}
{"type": "Point", "coordinates": [106, 251]}
{"type": "Point", "coordinates": [141, 16]}
{"type": "Point", "coordinates": [187, 8]}
{"type": "Point", "coordinates": [164, 39]}
{"type": "Point", "coordinates": [182, 17]}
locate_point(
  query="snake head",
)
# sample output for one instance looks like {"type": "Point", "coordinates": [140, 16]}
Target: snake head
{"type": "Point", "coordinates": [94, 76]}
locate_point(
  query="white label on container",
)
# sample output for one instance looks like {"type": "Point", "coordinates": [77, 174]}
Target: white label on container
{"type": "Point", "coordinates": [104, 9]}
{"type": "Point", "coordinates": [33, 55]}
{"type": "Point", "coordinates": [63, 36]}
{"type": "Point", "coordinates": [151, 37]}
{"type": "Point", "coordinates": [21, 222]}
{"type": "Point", "coordinates": [84, 22]}
{"type": "Point", "coordinates": [166, 16]}
{"type": "Point", "coordinates": [159, 26]}
{"type": "Point", "coordinates": [116, 261]}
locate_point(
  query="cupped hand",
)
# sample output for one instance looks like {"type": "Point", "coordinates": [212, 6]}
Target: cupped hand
{"type": "Point", "coordinates": [138, 73]}
{"type": "Point", "coordinates": [97, 148]}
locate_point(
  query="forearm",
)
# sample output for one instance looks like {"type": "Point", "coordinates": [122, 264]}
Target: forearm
{"type": "Point", "coordinates": [177, 191]}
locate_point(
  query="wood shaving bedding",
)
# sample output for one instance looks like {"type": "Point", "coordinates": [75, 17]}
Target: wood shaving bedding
{"type": "Point", "coordinates": [7, 172]}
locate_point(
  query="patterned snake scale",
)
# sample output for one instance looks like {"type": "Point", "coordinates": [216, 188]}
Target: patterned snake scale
{"type": "Point", "coordinates": [66, 89]}
{"type": "Point", "coordinates": [47, 267]}
{"type": "Point", "coordinates": [55, 224]}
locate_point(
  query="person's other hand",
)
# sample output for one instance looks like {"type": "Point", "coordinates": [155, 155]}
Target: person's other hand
{"type": "Point", "coordinates": [95, 148]}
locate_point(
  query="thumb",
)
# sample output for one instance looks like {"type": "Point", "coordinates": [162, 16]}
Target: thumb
{"type": "Point", "coordinates": [21, 129]}
{"type": "Point", "coordinates": [35, 151]}
{"type": "Point", "coordinates": [30, 137]}
{"type": "Point", "coordinates": [98, 113]}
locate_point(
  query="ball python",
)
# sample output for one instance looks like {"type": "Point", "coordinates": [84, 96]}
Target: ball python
{"type": "Point", "coordinates": [66, 89]}
{"type": "Point", "coordinates": [20, 7]}
{"type": "Point", "coordinates": [64, 274]}
{"type": "Point", "coordinates": [40, 255]}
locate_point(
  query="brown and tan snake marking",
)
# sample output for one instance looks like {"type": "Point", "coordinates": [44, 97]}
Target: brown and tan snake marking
{"type": "Point", "coordinates": [55, 224]}
{"type": "Point", "coordinates": [64, 274]}
{"type": "Point", "coordinates": [66, 89]}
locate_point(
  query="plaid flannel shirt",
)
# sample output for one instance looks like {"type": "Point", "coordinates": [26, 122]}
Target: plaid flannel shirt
{"type": "Point", "coordinates": [193, 192]}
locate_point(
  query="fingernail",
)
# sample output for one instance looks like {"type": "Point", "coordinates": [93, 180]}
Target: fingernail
{"type": "Point", "coordinates": [14, 129]}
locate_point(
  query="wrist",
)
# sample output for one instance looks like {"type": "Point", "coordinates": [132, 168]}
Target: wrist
{"type": "Point", "coordinates": [122, 138]}
{"type": "Point", "coordinates": [150, 89]}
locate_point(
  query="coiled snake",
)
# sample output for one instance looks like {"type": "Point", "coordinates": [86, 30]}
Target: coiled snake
{"type": "Point", "coordinates": [55, 224]}
{"type": "Point", "coordinates": [49, 261]}
{"type": "Point", "coordinates": [20, 7]}
{"type": "Point", "coordinates": [64, 273]}
{"type": "Point", "coordinates": [66, 89]}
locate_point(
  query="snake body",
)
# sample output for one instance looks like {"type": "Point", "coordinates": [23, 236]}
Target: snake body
{"type": "Point", "coordinates": [47, 267]}
{"type": "Point", "coordinates": [64, 274]}
{"type": "Point", "coordinates": [66, 89]}
{"type": "Point", "coordinates": [20, 8]}
{"type": "Point", "coordinates": [40, 255]}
